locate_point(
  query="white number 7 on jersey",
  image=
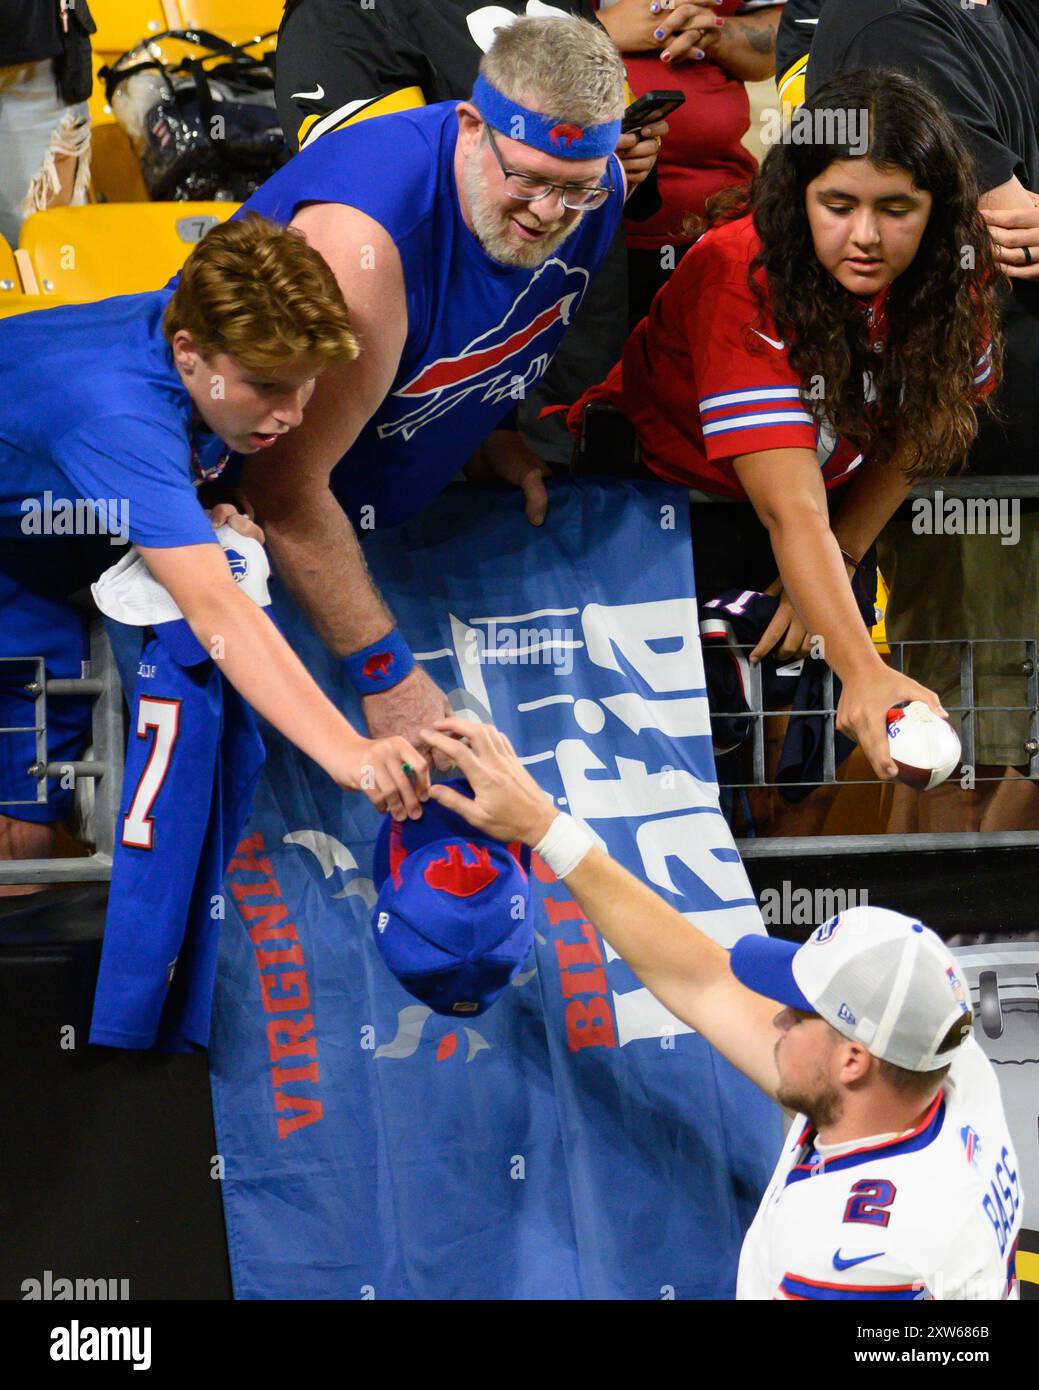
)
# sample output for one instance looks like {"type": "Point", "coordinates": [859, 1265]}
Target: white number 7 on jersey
{"type": "Point", "coordinates": [164, 717]}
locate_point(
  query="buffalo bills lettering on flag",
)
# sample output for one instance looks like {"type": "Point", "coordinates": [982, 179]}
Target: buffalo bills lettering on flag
{"type": "Point", "coordinates": [376, 1148]}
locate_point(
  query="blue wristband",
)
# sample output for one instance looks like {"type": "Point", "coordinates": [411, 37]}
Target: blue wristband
{"type": "Point", "coordinates": [381, 666]}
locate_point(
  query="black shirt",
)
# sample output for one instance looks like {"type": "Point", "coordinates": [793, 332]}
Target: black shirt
{"type": "Point", "coordinates": [356, 53]}
{"type": "Point", "coordinates": [983, 63]}
{"type": "Point", "coordinates": [29, 31]}
{"type": "Point", "coordinates": [797, 25]}
{"type": "Point", "coordinates": [977, 60]}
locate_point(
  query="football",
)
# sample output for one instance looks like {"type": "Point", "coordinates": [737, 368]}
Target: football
{"type": "Point", "coordinates": [925, 746]}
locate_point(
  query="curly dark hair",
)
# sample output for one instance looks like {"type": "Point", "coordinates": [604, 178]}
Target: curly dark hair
{"type": "Point", "coordinates": [940, 310]}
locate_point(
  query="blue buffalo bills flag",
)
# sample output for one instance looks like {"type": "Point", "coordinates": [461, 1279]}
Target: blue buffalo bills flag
{"type": "Point", "coordinates": [575, 1140]}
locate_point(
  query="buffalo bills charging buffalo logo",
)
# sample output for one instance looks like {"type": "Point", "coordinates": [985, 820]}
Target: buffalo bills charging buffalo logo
{"type": "Point", "coordinates": [501, 363]}
{"type": "Point", "coordinates": [377, 665]}
{"type": "Point", "coordinates": [453, 875]}
{"type": "Point", "coordinates": [239, 565]}
{"type": "Point", "coordinates": [565, 134]}
{"type": "Point", "coordinates": [971, 1144]}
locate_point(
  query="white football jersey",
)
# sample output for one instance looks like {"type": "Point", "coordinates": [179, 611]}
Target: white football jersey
{"type": "Point", "coordinates": [931, 1213]}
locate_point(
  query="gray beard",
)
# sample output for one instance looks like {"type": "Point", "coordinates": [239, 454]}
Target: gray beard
{"type": "Point", "coordinates": [487, 226]}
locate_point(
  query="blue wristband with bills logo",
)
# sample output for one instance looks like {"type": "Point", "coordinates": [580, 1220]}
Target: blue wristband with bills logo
{"type": "Point", "coordinates": [380, 666]}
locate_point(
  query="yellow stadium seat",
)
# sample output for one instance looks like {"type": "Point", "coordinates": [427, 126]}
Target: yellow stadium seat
{"type": "Point", "coordinates": [121, 24]}
{"type": "Point", "coordinates": [10, 282]}
{"type": "Point", "coordinates": [115, 174]}
{"type": "Point", "coordinates": [236, 20]}
{"type": "Point", "coordinates": [104, 249]}
{"type": "Point", "coordinates": [18, 292]}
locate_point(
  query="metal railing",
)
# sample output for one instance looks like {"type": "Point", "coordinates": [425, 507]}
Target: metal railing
{"type": "Point", "coordinates": [968, 708]}
{"type": "Point", "coordinates": [100, 683]}
{"type": "Point", "coordinates": [1026, 490]}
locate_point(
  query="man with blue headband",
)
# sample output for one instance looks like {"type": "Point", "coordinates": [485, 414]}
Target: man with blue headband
{"type": "Point", "coordinates": [464, 237]}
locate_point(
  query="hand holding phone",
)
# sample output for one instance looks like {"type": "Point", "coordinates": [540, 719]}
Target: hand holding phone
{"type": "Point", "coordinates": [656, 104]}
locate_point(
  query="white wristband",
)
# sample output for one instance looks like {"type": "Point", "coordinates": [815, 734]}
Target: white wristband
{"type": "Point", "coordinates": [564, 846]}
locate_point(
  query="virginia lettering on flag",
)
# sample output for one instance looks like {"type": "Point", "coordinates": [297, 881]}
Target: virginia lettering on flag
{"type": "Point", "coordinates": [577, 1140]}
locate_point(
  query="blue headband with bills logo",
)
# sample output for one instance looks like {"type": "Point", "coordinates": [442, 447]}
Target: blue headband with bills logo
{"type": "Point", "coordinates": [561, 138]}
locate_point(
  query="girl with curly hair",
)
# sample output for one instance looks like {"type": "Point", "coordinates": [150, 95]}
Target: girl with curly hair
{"type": "Point", "coordinates": [827, 341]}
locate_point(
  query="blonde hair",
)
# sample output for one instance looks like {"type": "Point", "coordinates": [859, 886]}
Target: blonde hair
{"type": "Point", "coordinates": [255, 290]}
{"type": "Point", "coordinates": [568, 68]}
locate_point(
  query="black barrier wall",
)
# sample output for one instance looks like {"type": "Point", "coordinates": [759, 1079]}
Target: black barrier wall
{"type": "Point", "coordinates": [105, 1156]}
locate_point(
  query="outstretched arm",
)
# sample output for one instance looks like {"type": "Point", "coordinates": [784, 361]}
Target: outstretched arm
{"type": "Point", "coordinates": [687, 971]}
{"type": "Point", "coordinates": [265, 670]}
{"type": "Point", "coordinates": [787, 491]}
{"type": "Point", "coordinates": [311, 540]}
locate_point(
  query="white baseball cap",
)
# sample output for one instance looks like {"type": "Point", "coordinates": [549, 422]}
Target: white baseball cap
{"type": "Point", "coordinates": [874, 975]}
{"type": "Point", "coordinates": [131, 594]}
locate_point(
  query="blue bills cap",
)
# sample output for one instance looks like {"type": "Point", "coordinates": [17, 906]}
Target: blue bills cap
{"type": "Point", "coordinates": [454, 920]}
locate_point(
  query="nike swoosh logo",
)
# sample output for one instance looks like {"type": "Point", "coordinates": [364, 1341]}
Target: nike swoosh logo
{"type": "Point", "coordinates": [771, 341]}
{"type": "Point", "coordinates": [315, 95]}
{"type": "Point", "coordinates": [838, 1263]}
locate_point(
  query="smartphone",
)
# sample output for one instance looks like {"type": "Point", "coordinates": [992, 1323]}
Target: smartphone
{"type": "Point", "coordinates": [641, 108]}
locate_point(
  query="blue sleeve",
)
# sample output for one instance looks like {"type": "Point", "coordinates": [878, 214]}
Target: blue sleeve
{"type": "Point", "coordinates": [139, 469]}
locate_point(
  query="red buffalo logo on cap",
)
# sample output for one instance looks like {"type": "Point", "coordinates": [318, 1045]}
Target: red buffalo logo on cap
{"type": "Point", "coordinates": [398, 854]}
{"type": "Point", "coordinates": [377, 665]}
{"type": "Point", "coordinates": [565, 134]}
{"type": "Point", "coordinates": [453, 875]}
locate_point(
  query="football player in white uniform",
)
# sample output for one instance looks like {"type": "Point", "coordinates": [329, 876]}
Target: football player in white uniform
{"type": "Point", "coordinates": [898, 1179]}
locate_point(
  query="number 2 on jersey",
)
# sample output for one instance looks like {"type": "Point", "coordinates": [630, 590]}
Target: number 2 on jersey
{"type": "Point", "coordinates": [869, 1202]}
{"type": "Point", "coordinates": [164, 717]}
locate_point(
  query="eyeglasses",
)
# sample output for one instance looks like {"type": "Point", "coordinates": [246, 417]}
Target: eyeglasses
{"type": "Point", "coordinates": [527, 189]}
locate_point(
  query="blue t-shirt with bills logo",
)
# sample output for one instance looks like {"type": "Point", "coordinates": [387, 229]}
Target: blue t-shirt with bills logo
{"type": "Point", "coordinates": [480, 334]}
{"type": "Point", "coordinates": [95, 412]}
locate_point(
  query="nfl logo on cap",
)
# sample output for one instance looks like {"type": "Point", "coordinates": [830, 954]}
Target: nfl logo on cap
{"type": "Point", "coordinates": [454, 920]}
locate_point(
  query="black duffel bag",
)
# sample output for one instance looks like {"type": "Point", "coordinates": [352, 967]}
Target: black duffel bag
{"type": "Point", "coordinates": [204, 127]}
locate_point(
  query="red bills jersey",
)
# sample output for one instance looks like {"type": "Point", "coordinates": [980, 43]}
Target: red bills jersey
{"type": "Point", "coordinates": [705, 377]}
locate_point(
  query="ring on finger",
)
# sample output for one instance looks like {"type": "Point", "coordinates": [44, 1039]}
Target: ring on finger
{"type": "Point", "coordinates": [1028, 255]}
